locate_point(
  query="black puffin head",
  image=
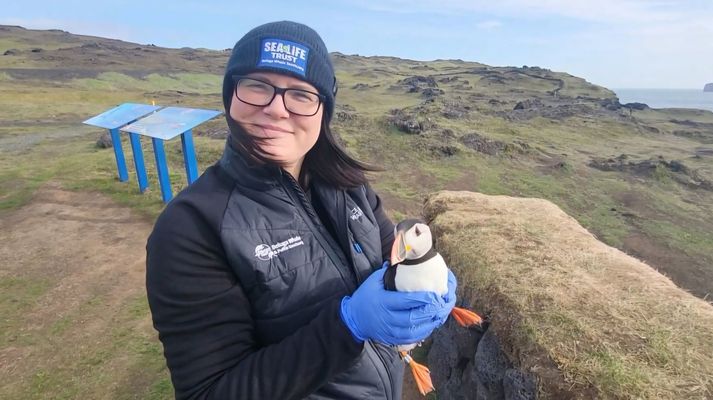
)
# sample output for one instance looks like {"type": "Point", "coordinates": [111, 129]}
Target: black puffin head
{"type": "Point", "coordinates": [412, 241]}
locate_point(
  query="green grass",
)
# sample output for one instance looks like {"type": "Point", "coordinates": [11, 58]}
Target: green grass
{"type": "Point", "coordinates": [695, 242]}
{"type": "Point", "coordinates": [138, 308]}
{"type": "Point", "coordinates": [114, 81]}
{"type": "Point", "coordinates": [13, 42]}
{"type": "Point", "coordinates": [659, 349]}
{"type": "Point", "coordinates": [61, 325]}
{"type": "Point", "coordinates": [90, 369]}
{"type": "Point", "coordinates": [617, 375]}
{"type": "Point", "coordinates": [585, 193]}
{"type": "Point", "coordinates": [145, 377]}
{"type": "Point", "coordinates": [160, 389]}
{"type": "Point", "coordinates": [78, 165]}
{"type": "Point", "coordinates": [18, 295]}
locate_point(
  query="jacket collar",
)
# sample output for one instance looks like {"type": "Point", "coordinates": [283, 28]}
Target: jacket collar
{"type": "Point", "coordinates": [254, 176]}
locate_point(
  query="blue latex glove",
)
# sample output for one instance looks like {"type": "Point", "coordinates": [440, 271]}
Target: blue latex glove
{"type": "Point", "coordinates": [449, 298]}
{"type": "Point", "coordinates": [390, 317]}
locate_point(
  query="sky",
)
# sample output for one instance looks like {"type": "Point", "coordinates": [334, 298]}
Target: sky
{"type": "Point", "coordinates": [613, 43]}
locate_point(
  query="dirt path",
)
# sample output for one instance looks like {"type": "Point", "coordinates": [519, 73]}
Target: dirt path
{"type": "Point", "coordinates": [75, 322]}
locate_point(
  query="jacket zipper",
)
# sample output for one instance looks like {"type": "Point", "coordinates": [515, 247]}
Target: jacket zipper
{"type": "Point", "coordinates": [311, 217]}
{"type": "Point", "coordinates": [307, 207]}
{"type": "Point", "coordinates": [350, 238]}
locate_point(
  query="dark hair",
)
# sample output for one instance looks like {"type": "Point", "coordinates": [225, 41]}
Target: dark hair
{"type": "Point", "coordinates": [326, 160]}
{"type": "Point", "coordinates": [330, 163]}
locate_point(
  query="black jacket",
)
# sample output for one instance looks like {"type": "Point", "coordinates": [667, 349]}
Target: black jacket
{"type": "Point", "coordinates": [245, 277]}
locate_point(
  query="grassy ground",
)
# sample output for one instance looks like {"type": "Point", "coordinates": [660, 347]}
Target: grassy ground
{"type": "Point", "coordinates": [75, 319]}
{"type": "Point", "coordinates": [96, 345]}
{"type": "Point", "coordinates": [79, 165]}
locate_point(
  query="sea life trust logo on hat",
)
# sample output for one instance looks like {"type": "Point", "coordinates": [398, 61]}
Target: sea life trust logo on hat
{"type": "Point", "coordinates": [279, 53]}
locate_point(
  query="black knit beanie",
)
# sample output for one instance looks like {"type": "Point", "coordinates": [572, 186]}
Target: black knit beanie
{"type": "Point", "coordinates": [287, 48]}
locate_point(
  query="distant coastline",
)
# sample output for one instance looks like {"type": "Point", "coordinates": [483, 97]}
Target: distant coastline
{"type": "Point", "coordinates": [667, 98]}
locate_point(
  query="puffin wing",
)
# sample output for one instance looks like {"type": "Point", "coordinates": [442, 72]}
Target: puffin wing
{"type": "Point", "coordinates": [390, 278]}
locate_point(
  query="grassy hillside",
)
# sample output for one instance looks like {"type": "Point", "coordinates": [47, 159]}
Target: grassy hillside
{"type": "Point", "coordinates": [588, 320]}
{"type": "Point", "coordinates": [640, 180]}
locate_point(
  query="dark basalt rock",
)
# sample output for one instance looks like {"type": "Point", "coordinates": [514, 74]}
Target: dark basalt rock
{"type": "Point", "coordinates": [518, 385]}
{"type": "Point", "coordinates": [345, 113]}
{"type": "Point", "coordinates": [529, 109]}
{"type": "Point", "coordinates": [455, 110]}
{"type": "Point", "coordinates": [636, 106]}
{"type": "Point", "coordinates": [440, 149]}
{"type": "Point", "coordinates": [405, 122]}
{"type": "Point", "coordinates": [482, 144]}
{"type": "Point", "coordinates": [528, 104]}
{"type": "Point", "coordinates": [702, 137]}
{"type": "Point", "coordinates": [655, 168]}
{"type": "Point", "coordinates": [468, 363]}
{"type": "Point", "coordinates": [215, 133]}
{"type": "Point", "coordinates": [611, 104]}
{"type": "Point", "coordinates": [344, 116]}
{"type": "Point", "coordinates": [448, 134]}
{"type": "Point", "coordinates": [448, 79]}
{"type": "Point", "coordinates": [430, 93]}
{"type": "Point", "coordinates": [420, 81]}
{"type": "Point", "coordinates": [104, 141]}
{"type": "Point", "coordinates": [490, 367]}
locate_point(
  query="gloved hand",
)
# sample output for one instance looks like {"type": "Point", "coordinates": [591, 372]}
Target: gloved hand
{"type": "Point", "coordinates": [390, 317]}
{"type": "Point", "coordinates": [449, 298]}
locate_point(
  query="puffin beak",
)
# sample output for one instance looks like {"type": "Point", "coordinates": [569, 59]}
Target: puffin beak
{"type": "Point", "coordinates": [398, 250]}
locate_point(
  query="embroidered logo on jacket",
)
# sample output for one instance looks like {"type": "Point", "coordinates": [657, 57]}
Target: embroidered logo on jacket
{"type": "Point", "coordinates": [356, 213]}
{"type": "Point", "coordinates": [266, 252]}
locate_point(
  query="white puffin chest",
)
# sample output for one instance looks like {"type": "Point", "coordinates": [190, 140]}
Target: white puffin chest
{"type": "Point", "coordinates": [430, 275]}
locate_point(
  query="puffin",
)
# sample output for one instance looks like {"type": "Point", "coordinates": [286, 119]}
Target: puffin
{"type": "Point", "coordinates": [415, 265]}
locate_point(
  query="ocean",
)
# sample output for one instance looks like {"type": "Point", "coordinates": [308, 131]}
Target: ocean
{"type": "Point", "coordinates": [667, 98]}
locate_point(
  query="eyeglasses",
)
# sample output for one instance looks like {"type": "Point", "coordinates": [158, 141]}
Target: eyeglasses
{"type": "Point", "coordinates": [260, 94]}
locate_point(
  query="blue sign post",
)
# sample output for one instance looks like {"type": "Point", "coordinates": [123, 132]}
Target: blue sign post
{"type": "Point", "coordinates": [165, 125]}
{"type": "Point", "coordinates": [114, 119]}
{"type": "Point", "coordinates": [139, 161]}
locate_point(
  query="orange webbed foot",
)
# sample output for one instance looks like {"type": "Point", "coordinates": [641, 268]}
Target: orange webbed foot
{"type": "Point", "coordinates": [466, 317]}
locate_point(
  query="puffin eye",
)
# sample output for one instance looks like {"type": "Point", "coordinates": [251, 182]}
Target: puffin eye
{"type": "Point", "coordinates": [418, 232]}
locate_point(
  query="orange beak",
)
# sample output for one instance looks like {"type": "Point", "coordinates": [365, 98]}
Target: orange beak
{"type": "Point", "coordinates": [399, 249]}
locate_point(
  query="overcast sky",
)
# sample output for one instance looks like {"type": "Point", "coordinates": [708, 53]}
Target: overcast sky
{"type": "Point", "coordinates": [614, 43]}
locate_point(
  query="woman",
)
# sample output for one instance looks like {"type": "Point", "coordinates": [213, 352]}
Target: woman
{"type": "Point", "coordinates": [263, 276]}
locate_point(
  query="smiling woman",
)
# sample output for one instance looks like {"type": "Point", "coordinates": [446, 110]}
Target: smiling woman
{"type": "Point", "coordinates": [281, 114]}
{"type": "Point", "coordinates": [263, 276]}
